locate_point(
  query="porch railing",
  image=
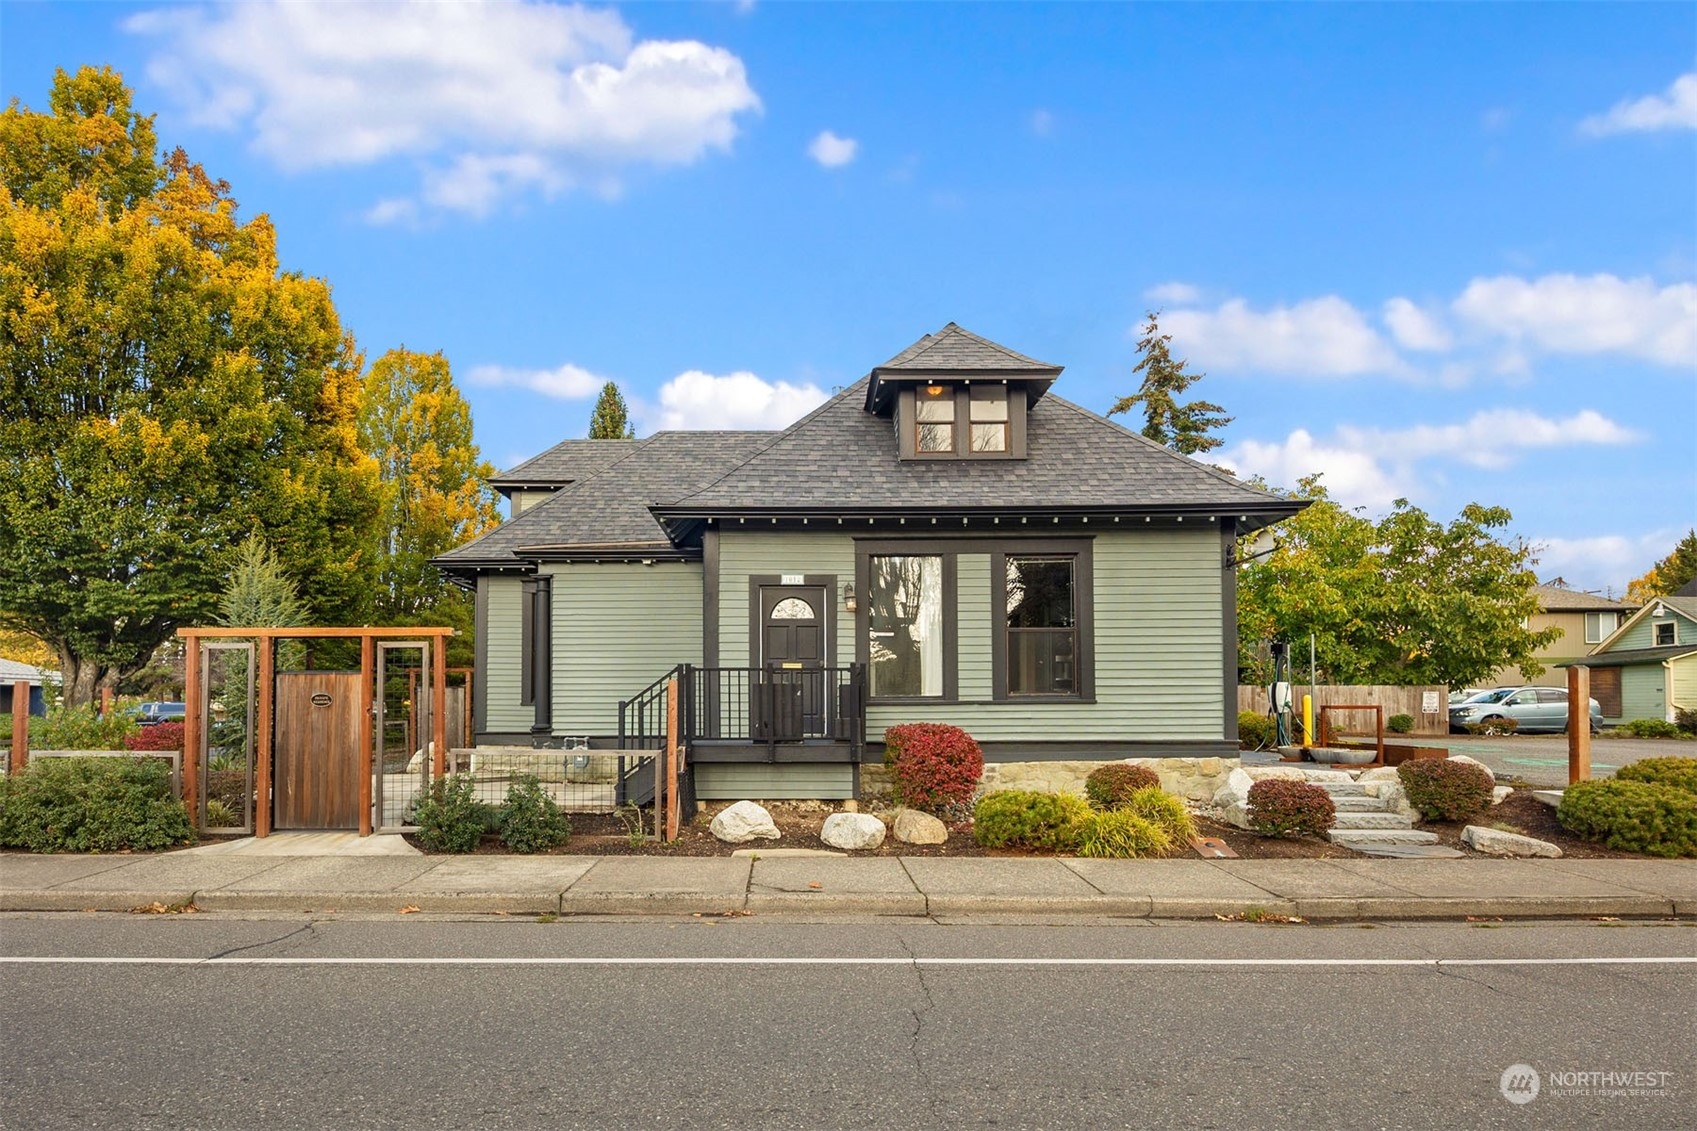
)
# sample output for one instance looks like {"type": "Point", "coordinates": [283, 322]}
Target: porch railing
{"type": "Point", "coordinates": [755, 705]}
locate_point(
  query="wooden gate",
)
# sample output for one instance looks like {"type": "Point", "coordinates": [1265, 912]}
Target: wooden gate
{"type": "Point", "coordinates": [317, 750]}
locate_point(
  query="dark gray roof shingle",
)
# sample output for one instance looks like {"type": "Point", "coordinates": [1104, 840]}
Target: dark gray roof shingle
{"type": "Point", "coordinates": [953, 349]}
{"type": "Point", "coordinates": [843, 458]}
{"type": "Point", "coordinates": [568, 462]}
{"type": "Point", "coordinates": [1554, 598]}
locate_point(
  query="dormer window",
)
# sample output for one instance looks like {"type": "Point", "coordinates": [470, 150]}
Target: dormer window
{"type": "Point", "coordinates": [934, 416]}
{"type": "Point", "coordinates": [988, 417]}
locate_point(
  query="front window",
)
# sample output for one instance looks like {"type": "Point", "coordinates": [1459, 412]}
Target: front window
{"type": "Point", "coordinates": [934, 412]}
{"type": "Point", "coordinates": [1042, 626]}
{"type": "Point", "coordinates": [1665, 634]}
{"type": "Point", "coordinates": [905, 623]}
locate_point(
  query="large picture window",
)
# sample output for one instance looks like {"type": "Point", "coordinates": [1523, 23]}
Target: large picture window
{"type": "Point", "coordinates": [1042, 626]}
{"type": "Point", "coordinates": [905, 625]}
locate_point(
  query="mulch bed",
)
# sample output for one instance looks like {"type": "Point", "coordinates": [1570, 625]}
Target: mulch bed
{"type": "Point", "coordinates": [1522, 813]}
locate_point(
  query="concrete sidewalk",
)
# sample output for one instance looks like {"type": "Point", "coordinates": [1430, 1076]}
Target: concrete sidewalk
{"type": "Point", "coordinates": [648, 885]}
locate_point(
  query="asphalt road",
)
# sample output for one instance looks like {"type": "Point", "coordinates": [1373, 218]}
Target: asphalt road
{"type": "Point", "coordinates": [756, 1023]}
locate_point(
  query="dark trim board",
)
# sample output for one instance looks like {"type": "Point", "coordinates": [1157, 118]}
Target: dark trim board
{"type": "Point", "coordinates": [1228, 628]}
{"type": "Point", "coordinates": [710, 598]}
{"type": "Point", "coordinates": [782, 753]}
{"type": "Point", "coordinates": [1106, 750]}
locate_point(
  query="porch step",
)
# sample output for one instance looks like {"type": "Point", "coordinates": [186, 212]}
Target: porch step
{"type": "Point", "coordinates": [1355, 838]}
{"type": "Point", "coordinates": [1347, 820]}
{"type": "Point", "coordinates": [1349, 803]}
{"type": "Point", "coordinates": [1343, 788]}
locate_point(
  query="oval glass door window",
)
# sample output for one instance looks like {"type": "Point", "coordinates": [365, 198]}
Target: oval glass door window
{"type": "Point", "coordinates": [793, 608]}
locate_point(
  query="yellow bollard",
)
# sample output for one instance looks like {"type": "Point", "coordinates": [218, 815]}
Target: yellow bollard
{"type": "Point", "coordinates": [1308, 720]}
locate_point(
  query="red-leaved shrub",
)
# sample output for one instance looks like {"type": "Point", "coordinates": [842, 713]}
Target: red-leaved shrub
{"type": "Point", "coordinates": [1444, 790]}
{"type": "Point", "coordinates": [1110, 786]}
{"type": "Point", "coordinates": [933, 766]}
{"type": "Point", "coordinates": [1290, 808]}
{"type": "Point", "coordinates": [159, 736]}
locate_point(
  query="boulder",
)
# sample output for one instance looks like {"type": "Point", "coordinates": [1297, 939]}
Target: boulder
{"type": "Point", "coordinates": [1378, 774]}
{"type": "Point", "coordinates": [743, 822]}
{"type": "Point", "coordinates": [1475, 762]}
{"type": "Point", "coordinates": [914, 827]}
{"type": "Point", "coordinates": [1281, 773]}
{"type": "Point", "coordinates": [852, 831]}
{"type": "Point", "coordinates": [1495, 842]}
{"type": "Point", "coordinates": [1500, 793]}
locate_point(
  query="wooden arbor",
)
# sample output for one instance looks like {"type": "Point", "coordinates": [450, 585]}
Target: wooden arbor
{"type": "Point", "coordinates": [195, 722]}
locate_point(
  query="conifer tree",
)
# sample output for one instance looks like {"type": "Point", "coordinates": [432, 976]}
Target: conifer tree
{"type": "Point", "coordinates": [1184, 428]}
{"type": "Point", "coordinates": [610, 420]}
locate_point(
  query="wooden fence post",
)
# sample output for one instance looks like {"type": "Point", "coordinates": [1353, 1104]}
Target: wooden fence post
{"type": "Point", "coordinates": [194, 725]}
{"type": "Point", "coordinates": [20, 727]}
{"type": "Point", "coordinates": [1578, 724]}
{"type": "Point", "coordinates": [673, 801]}
{"type": "Point", "coordinates": [267, 690]}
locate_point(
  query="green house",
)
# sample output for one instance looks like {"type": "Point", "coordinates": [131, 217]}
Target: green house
{"type": "Point", "coordinates": [945, 540]}
{"type": "Point", "coordinates": [1647, 669]}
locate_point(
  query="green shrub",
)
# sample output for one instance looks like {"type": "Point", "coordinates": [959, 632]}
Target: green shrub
{"type": "Point", "coordinates": [1164, 811]}
{"type": "Point", "coordinates": [1632, 816]}
{"type": "Point", "coordinates": [1685, 718]}
{"type": "Point", "coordinates": [1111, 786]}
{"type": "Point", "coordinates": [79, 728]}
{"type": "Point", "coordinates": [1290, 808]}
{"type": "Point", "coordinates": [933, 766]}
{"type": "Point", "coordinates": [93, 805]}
{"type": "Point", "coordinates": [1444, 790]}
{"type": "Point", "coordinates": [1254, 732]}
{"type": "Point", "coordinates": [1650, 728]}
{"type": "Point", "coordinates": [219, 815]}
{"type": "Point", "coordinates": [451, 818]}
{"type": "Point", "coordinates": [1120, 833]}
{"type": "Point", "coordinates": [530, 820]}
{"type": "Point", "coordinates": [1027, 819]}
{"type": "Point", "coordinates": [1400, 724]}
{"type": "Point", "coordinates": [1681, 773]}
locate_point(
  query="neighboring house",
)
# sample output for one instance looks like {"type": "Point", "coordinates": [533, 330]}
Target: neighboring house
{"type": "Point", "coordinates": [11, 673]}
{"type": "Point", "coordinates": [1648, 668]}
{"type": "Point", "coordinates": [945, 540]}
{"type": "Point", "coordinates": [1585, 620]}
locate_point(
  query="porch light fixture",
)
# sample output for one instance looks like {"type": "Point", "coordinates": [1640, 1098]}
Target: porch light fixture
{"type": "Point", "coordinates": [933, 390]}
{"type": "Point", "coordinates": [848, 598]}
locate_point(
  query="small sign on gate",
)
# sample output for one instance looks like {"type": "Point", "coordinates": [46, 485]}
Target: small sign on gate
{"type": "Point", "coordinates": [321, 699]}
{"type": "Point", "coordinates": [1428, 702]}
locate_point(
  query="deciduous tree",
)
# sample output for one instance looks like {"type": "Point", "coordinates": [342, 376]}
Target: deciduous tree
{"type": "Point", "coordinates": [1184, 427]}
{"type": "Point", "coordinates": [168, 390]}
{"type": "Point", "coordinates": [1404, 600]}
{"type": "Point", "coordinates": [1669, 574]}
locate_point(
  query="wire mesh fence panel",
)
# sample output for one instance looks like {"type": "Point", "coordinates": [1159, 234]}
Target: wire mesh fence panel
{"type": "Point", "coordinates": [579, 781]}
{"type": "Point", "coordinates": [402, 760]}
{"type": "Point", "coordinates": [226, 796]}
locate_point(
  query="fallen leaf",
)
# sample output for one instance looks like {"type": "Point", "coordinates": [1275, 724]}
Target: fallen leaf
{"type": "Point", "coordinates": [815, 884]}
{"type": "Point", "coordinates": [409, 909]}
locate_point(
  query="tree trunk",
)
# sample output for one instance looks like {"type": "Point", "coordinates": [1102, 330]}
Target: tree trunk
{"type": "Point", "coordinates": [83, 677]}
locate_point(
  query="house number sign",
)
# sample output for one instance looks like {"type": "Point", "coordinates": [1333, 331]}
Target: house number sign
{"type": "Point", "coordinates": [320, 698]}
{"type": "Point", "coordinates": [793, 579]}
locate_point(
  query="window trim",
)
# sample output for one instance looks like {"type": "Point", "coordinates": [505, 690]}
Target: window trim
{"type": "Point", "coordinates": [1084, 618]}
{"type": "Point", "coordinates": [867, 549]}
{"type": "Point", "coordinates": [907, 422]}
{"type": "Point", "coordinates": [1656, 633]}
{"type": "Point", "coordinates": [1602, 633]}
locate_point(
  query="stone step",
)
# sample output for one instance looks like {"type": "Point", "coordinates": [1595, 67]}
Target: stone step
{"type": "Point", "coordinates": [1351, 838]}
{"type": "Point", "coordinates": [1409, 851]}
{"type": "Point", "coordinates": [1349, 803]}
{"type": "Point", "coordinates": [1343, 788]}
{"type": "Point", "coordinates": [1347, 820]}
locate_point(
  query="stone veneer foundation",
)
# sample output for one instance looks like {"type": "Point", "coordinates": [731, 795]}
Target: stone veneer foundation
{"type": "Point", "coordinates": [1195, 779]}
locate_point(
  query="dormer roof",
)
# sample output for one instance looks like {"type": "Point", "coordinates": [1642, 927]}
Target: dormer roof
{"type": "Point", "coordinates": [953, 353]}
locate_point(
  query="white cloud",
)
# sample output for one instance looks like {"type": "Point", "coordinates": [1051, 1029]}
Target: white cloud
{"type": "Point", "coordinates": [1178, 293]}
{"type": "Point", "coordinates": [566, 383]}
{"type": "Point", "coordinates": [1674, 110]}
{"type": "Point", "coordinates": [1414, 328]}
{"type": "Point", "coordinates": [1372, 467]}
{"type": "Point", "coordinates": [1603, 561]}
{"type": "Point", "coordinates": [832, 151]}
{"type": "Point", "coordinates": [1587, 314]}
{"type": "Point", "coordinates": [1322, 337]}
{"type": "Point", "coordinates": [492, 98]}
{"type": "Point", "coordinates": [698, 401]}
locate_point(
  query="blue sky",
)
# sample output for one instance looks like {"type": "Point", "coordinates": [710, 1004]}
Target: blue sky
{"type": "Point", "coordinates": [1447, 252]}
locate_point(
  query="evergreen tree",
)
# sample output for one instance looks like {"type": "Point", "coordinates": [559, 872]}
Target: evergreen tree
{"type": "Point", "coordinates": [1184, 428]}
{"type": "Point", "coordinates": [610, 420]}
{"type": "Point", "coordinates": [260, 594]}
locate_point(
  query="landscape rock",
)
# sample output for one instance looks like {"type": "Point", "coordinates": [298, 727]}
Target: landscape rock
{"type": "Point", "coordinates": [852, 831]}
{"type": "Point", "coordinates": [1475, 762]}
{"type": "Point", "coordinates": [1378, 774]}
{"type": "Point", "coordinates": [914, 827]}
{"type": "Point", "coordinates": [1496, 842]}
{"type": "Point", "coordinates": [743, 822]}
{"type": "Point", "coordinates": [1500, 793]}
{"type": "Point", "coordinates": [1280, 773]}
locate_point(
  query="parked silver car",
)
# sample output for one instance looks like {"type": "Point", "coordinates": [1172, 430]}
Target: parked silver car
{"type": "Point", "coordinates": [1533, 709]}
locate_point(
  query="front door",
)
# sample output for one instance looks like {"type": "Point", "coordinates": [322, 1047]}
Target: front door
{"type": "Point", "coordinates": [793, 657]}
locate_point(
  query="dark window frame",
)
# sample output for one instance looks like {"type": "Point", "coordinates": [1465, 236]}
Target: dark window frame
{"type": "Point", "coordinates": [950, 619]}
{"type": "Point", "coordinates": [1084, 620]}
{"type": "Point", "coordinates": [907, 422]}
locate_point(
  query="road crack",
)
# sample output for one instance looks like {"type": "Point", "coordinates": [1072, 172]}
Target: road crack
{"type": "Point", "coordinates": [304, 929]}
{"type": "Point", "coordinates": [927, 1092]}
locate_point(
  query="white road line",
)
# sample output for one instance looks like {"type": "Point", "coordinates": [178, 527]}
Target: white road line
{"type": "Point", "coordinates": [242, 960]}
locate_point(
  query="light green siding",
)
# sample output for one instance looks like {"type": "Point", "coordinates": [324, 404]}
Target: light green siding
{"type": "Point", "coordinates": [617, 628]}
{"type": "Point", "coordinates": [501, 660]}
{"type": "Point", "coordinates": [1641, 692]}
{"type": "Point", "coordinates": [1685, 683]}
{"type": "Point", "coordinates": [1158, 653]}
{"type": "Point", "coordinates": [716, 781]}
{"type": "Point", "coordinates": [1643, 634]}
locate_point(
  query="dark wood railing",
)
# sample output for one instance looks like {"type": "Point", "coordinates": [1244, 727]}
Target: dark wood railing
{"type": "Point", "coordinates": [754, 705]}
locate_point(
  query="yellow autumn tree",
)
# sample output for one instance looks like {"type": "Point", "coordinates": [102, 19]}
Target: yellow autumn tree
{"type": "Point", "coordinates": [168, 391]}
{"type": "Point", "coordinates": [436, 495]}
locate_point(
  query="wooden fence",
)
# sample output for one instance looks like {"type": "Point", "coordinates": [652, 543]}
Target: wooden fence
{"type": "Point", "coordinates": [1413, 701]}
